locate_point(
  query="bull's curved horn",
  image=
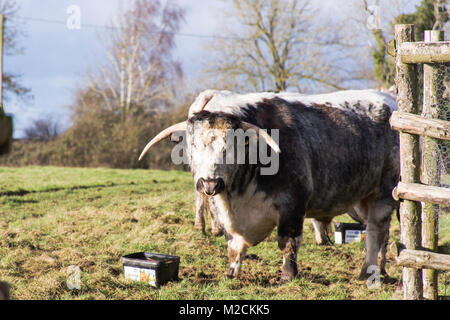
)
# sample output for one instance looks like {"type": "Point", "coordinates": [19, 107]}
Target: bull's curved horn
{"type": "Point", "coordinates": [162, 135]}
{"type": "Point", "coordinates": [263, 134]}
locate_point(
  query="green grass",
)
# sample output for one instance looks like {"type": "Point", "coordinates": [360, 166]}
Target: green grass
{"type": "Point", "coordinates": [51, 218]}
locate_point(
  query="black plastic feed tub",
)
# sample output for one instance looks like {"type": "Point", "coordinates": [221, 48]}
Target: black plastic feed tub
{"type": "Point", "coordinates": [155, 269]}
{"type": "Point", "coordinates": [349, 232]}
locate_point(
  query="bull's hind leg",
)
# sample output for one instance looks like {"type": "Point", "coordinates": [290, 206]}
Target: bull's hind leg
{"type": "Point", "coordinates": [383, 251]}
{"type": "Point", "coordinates": [321, 229]}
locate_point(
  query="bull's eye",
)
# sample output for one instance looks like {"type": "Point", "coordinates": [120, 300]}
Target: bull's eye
{"type": "Point", "coordinates": [210, 137]}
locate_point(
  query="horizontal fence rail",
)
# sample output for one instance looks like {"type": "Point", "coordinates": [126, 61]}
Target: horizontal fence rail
{"type": "Point", "coordinates": [419, 259]}
{"type": "Point", "coordinates": [421, 192]}
{"type": "Point", "coordinates": [414, 124]}
{"type": "Point", "coordinates": [424, 52]}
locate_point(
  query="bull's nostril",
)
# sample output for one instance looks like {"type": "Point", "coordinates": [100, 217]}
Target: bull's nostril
{"type": "Point", "coordinates": [199, 185]}
{"type": "Point", "coordinates": [220, 185]}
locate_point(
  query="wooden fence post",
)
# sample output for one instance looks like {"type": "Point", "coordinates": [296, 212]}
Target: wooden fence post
{"type": "Point", "coordinates": [410, 224]}
{"type": "Point", "coordinates": [432, 95]}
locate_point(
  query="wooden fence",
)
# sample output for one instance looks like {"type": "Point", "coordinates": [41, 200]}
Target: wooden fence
{"type": "Point", "coordinates": [418, 252]}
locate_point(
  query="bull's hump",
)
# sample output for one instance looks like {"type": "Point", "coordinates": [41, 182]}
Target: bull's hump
{"type": "Point", "coordinates": [369, 103]}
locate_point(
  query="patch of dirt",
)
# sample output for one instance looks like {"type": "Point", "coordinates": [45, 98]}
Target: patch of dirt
{"type": "Point", "coordinates": [85, 265]}
{"type": "Point", "coordinates": [132, 220]}
{"type": "Point", "coordinates": [263, 279]}
{"type": "Point", "coordinates": [314, 278]}
{"type": "Point", "coordinates": [211, 275]}
{"type": "Point", "coordinates": [171, 218]}
{"type": "Point", "coordinates": [252, 257]}
{"type": "Point", "coordinates": [39, 265]}
{"type": "Point", "coordinates": [115, 271]}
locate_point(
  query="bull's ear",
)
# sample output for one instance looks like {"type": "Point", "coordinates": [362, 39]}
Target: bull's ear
{"type": "Point", "coordinates": [162, 135]}
{"type": "Point", "coordinates": [263, 134]}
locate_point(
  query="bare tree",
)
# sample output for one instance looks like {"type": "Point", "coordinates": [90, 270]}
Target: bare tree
{"type": "Point", "coordinates": [277, 45]}
{"type": "Point", "coordinates": [138, 69]}
{"type": "Point", "coordinates": [14, 30]}
{"type": "Point", "coordinates": [42, 130]}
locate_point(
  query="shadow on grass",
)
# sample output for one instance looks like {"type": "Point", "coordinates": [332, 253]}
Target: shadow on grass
{"type": "Point", "coordinates": [22, 192]}
{"type": "Point", "coordinates": [22, 201]}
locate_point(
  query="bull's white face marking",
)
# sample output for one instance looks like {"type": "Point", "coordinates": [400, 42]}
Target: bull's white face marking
{"type": "Point", "coordinates": [206, 148]}
{"type": "Point", "coordinates": [218, 151]}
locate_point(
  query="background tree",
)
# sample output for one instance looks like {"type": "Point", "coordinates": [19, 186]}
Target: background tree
{"type": "Point", "coordinates": [429, 15]}
{"type": "Point", "coordinates": [131, 94]}
{"type": "Point", "coordinates": [13, 31]}
{"type": "Point", "coordinates": [139, 70]}
{"type": "Point", "coordinates": [42, 130]}
{"type": "Point", "coordinates": [275, 45]}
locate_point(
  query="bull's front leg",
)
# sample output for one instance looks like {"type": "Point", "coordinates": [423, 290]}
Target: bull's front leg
{"type": "Point", "coordinates": [236, 254]}
{"type": "Point", "coordinates": [289, 239]}
{"type": "Point", "coordinates": [377, 236]}
{"type": "Point", "coordinates": [289, 246]}
{"type": "Point", "coordinates": [216, 228]}
{"type": "Point", "coordinates": [199, 212]}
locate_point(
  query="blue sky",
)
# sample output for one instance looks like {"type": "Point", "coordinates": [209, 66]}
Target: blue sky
{"type": "Point", "coordinates": [56, 58]}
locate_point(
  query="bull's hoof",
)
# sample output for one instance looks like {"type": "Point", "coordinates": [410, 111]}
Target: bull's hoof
{"type": "Point", "coordinates": [325, 242]}
{"type": "Point", "coordinates": [385, 279]}
{"type": "Point", "coordinates": [287, 277]}
{"type": "Point", "coordinates": [363, 276]}
{"type": "Point", "coordinates": [230, 273]}
{"type": "Point", "coordinates": [199, 227]}
{"type": "Point", "coordinates": [388, 280]}
{"type": "Point", "coordinates": [216, 232]}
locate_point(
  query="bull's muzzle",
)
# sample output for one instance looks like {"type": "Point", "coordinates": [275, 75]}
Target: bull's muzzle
{"type": "Point", "coordinates": [210, 187]}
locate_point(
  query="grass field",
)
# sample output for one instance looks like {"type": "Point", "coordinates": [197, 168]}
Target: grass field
{"type": "Point", "coordinates": [52, 218]}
